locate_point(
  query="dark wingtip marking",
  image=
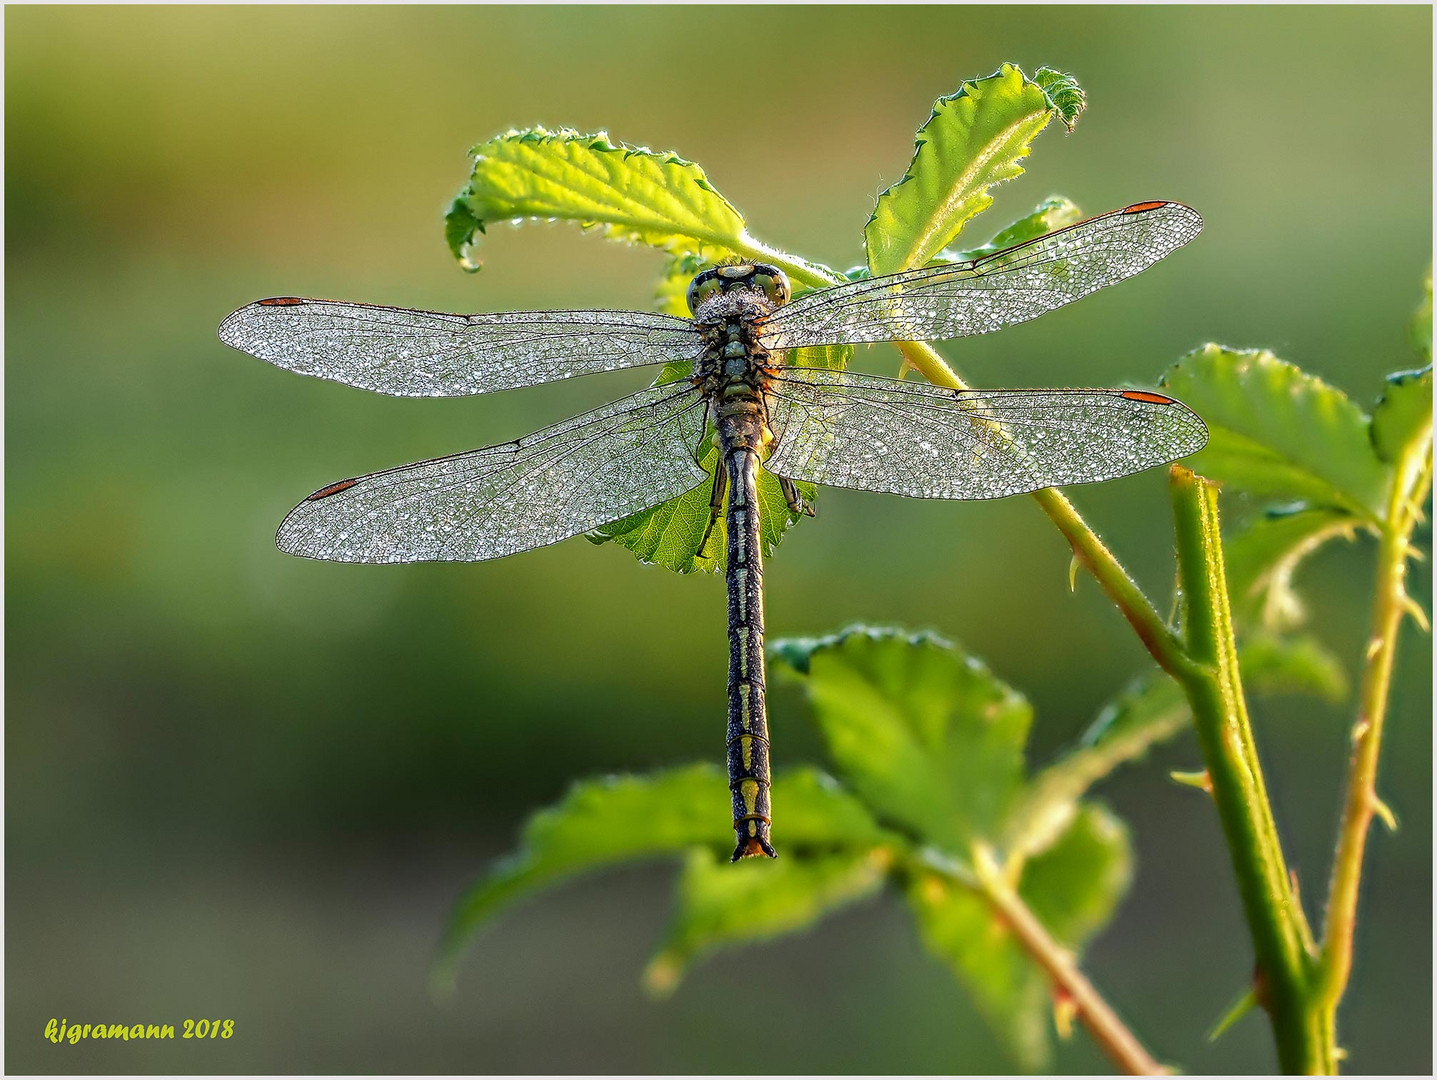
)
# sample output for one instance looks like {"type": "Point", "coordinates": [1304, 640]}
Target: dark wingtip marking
{"type": "Point", "coordinates": [281, 301]}
{"type": "Point", "coordinates": [1149, 397]}
{"type": "Point", "coordinates": [1144, 207]}
{"type": "Point", "coordinates": [333, 489]}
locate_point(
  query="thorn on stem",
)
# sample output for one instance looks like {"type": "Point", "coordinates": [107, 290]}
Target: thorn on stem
{"type": "Point", "coordinates": [1382, 810]}
{"type": "Point", "coordinates": [1200, 780]}
{"type": "Point", "coordinates": [1239, 1008]}
{"type": "Point", "coordinates": [1360, 730]}
{"type": "Point", "coordinates": [1418, 615]}
{"type": "Point", "coordinates": [1073, 564]}
{"type": "Point", "coordinates": [1374, 646]}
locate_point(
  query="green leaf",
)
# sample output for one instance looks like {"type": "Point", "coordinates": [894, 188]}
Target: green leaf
{"type": "Point", "coordinates": [1419, 330]}
{"type": "Point", "coordinates": [1403, 415]}
{"type": "Point", "coordinates": [922, 733]}
{"type": "Point", "coordinates": [1073, 887]}
{"type": "Point", "coordinates": [1262, 556]}
{"type": "Point", "coordinates": [722, 904]}
{"type": "Point", "coordinates": [1053, 213]}
{"type": "Point", "coordinates": [669, 534]}
{"type": "Point", "coordinates": [620, 819]}
{"type": "Point", "coordinates": [1065, 94]}
{"type": "Point", "coordinates": [599, 823]}
{"type": "Point", "coordinates": [973, 140]}
{"type": "Point", "coordinates": [624, 192]}
{"type": "Point", "coordinates": [1277, 431]}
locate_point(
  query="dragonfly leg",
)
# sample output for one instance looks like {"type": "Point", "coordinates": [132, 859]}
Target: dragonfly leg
{"type": "Point", "coordinates": [715, 506]}
{"type": "Point", "coordinates": [796, 502]}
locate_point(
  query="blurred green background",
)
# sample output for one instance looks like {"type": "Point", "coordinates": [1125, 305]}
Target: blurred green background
{"type": "Point", "coordinates": [244, 785]}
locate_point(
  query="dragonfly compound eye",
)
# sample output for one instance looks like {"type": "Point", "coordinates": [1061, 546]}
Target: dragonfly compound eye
{"type": "Point", "coordinates": [773, 282]}
{"type": "Point", "coordinates": [703, 288]}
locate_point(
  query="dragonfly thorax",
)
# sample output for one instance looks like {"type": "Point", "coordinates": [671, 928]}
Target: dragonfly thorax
{"type": "Point", "coordinates": [737, 289]}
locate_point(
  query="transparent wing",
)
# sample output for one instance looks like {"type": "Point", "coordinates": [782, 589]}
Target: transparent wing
{"type": "Point", "coordinates": [431, 354]}
{"type": "Point", "coordinates": [556, 483]}
{"type": "Point", "coordinates": [975, 297]}
{"type": "Point", "coordinates": [858, 431]}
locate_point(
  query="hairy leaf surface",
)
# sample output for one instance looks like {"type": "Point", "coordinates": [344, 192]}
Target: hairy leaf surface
{"type": "Point", "coordinates": [925, 735]}
{"type": "Point", "coordinates": [974, 140]}
{"type": "Point", "coordinates": [1277, 431]}
{"type": "Point", "coordinates": [624, 192]}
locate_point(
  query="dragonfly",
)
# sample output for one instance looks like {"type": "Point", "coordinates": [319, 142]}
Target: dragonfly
{"type": "Point", "coordinates": [811, 424]}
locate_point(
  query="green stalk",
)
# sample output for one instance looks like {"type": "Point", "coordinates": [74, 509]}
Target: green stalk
{"type": "Point", "coordinates": [1412, 479]}
{"type": "Point", "coordinates": [1281, 939]}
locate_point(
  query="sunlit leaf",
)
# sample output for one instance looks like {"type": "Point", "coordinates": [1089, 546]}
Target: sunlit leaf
{"type": "Point", "coordinates": [974, 140]}
{"type": "Point", "coordinates": [624, 192]}
{"type": "Point", "coordinates": [928, 737]}
{"type": "Point", "coordinates": [1051, 214]}
{"type": "Point", "coordinates": [600, 823]}
{"type": "Point", "coordinates": [1404, 412]}
{"type": "Point", "coordinates": [1278, 431]}
{"type": "Point", "coordinates": [724, 904]}
{"type": "Point", "coordinates": [1263, 554]}
{"type": "Point", "coordinates": [1073, 887]}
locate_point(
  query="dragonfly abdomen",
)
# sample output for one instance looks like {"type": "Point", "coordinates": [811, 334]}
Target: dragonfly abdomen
{"type": "Point", "coordinates": [740, 430]}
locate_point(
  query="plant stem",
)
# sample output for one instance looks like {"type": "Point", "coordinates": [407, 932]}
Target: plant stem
{"type": "Point", "coordinates": [1412, 478]}
{"type": "Point", "coordinates": [1110, 574]}
{"type": "Point", "coordinates": [1280, 935]}
{"type": "Point", "coordinates": [1103, 1024]}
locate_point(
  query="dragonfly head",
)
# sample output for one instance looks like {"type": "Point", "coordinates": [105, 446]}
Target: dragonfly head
{"type": "Point", "coordinates": [754, 281]}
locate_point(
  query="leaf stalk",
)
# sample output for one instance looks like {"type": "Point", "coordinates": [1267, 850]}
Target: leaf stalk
{"type": "Point", "coordinates": [1107, 1029]}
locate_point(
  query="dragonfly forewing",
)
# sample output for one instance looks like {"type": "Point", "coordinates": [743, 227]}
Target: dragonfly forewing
{"type": "Point", "coordinates": [411, 353]}
{"type": "Point", "coordinates": [977, 296]}
{"type": "Point", "coordinates": [558, 482]}
{"type": "Point", "coordinates": [847, 429]}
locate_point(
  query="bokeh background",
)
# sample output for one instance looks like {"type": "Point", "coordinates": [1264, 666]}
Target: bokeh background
{"type": "Point", "coordinates": [244, 785]}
